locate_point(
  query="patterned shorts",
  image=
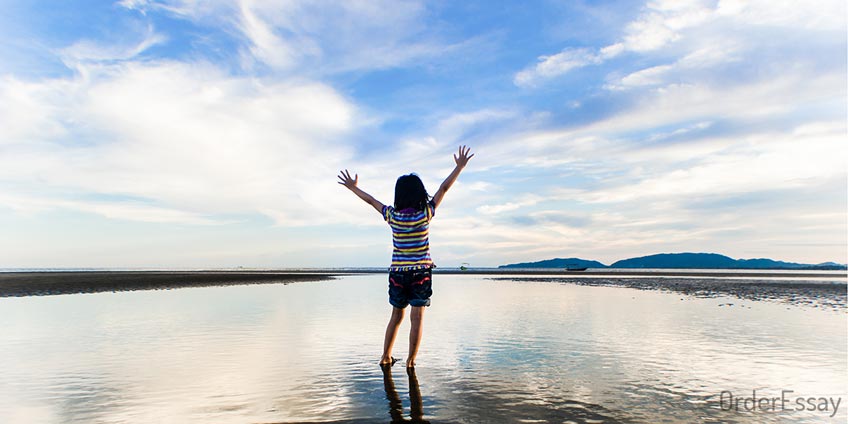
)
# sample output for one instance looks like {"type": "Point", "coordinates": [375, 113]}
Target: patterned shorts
{"type": "Point", "coordinates": [413, 287]}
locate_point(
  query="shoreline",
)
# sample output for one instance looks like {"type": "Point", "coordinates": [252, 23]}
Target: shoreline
{"type": "Point", "coordinates": [19, 284]}
{"type": "Point", "coordinates": [816, 294]}
{"type": "Point", "coordinates": [815, 289]}
{"type": "Point", "coordinates": [841, 275]}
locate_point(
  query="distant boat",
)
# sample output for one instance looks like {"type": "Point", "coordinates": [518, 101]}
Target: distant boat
{"type": "Point", "coordinates": [571, 268]}
{"type": "Point", "coordinates": [463, 267]}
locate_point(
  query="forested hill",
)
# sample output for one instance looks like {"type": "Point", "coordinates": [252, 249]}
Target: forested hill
{"type": "Point", "coordinates": [679, 261]}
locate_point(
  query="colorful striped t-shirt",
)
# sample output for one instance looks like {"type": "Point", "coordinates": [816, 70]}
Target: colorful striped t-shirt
{"type": "Point", "coordinates": [410, 237]}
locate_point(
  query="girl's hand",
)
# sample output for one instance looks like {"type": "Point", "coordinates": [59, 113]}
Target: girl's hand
{"type": "Point", "coordinates": [350, 183]}
{"type": "Point", "coordinates": [461, 160]}
{"type": "Point", "coordinates": [463, 157]}
{"type": "Point", "coordinates": [346, 180]}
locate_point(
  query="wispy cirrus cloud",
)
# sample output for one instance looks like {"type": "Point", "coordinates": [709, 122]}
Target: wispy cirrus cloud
{"type": "Point", "coordinates": [320, 36]}
{"type": "Point", "coordinates": [659, 24]}
{"type": "Point", "coordinates": [700, 33]}
{"type": "Point", "coordinates": [561, 63]}
{"type": "Point", "coordinates": [96, 51]}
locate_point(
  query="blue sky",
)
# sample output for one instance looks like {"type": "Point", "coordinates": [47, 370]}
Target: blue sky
{"type": "Point", "coordinates": [181, 133]}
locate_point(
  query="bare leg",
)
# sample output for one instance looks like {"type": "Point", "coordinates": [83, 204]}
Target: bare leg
{"type": "Point", "coordinates": [391, 332]}
{"type": "Point", "coordinates": [416, 316]}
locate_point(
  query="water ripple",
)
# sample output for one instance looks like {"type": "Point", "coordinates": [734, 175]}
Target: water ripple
{"type": "Point", "coordinates": [492, 352]}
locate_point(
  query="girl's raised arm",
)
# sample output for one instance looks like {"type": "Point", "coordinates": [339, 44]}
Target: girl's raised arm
{"type": "Point", "coordinates": [461, 160]}
{"type": "Point", "coordinates": [350, 183]}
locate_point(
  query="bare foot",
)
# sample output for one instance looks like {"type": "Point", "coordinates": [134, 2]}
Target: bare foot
{"type": "Point", "coordinates": [388, 361]}
{"type": "Point", "coordinates": [410, 363]}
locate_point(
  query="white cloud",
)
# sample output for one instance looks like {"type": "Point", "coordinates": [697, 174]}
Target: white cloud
{"type": "Point", "coordinates": [636, 135]}
{"type": "Point", "coordinates": [706, 34]}
{"type": "Point", "coordinates": [658, 25]}
{"type": "Point", "coordinates": [662, 22]}
{"type": "Point", "coordinates": [134, 4]}
{"type": "Point", "coordinates": [321, 36]}
{"type": "Point", "coordinates": [558, 64]}
{"type": "Point", "coordinates": [699, 126]}
{"type": "Point", "coordinates": [763, 163]}
{"type": "Point", "coordinates": [25, 111]}
{"type": "Point", "coordinates": [825, 15]}
{"type": "Point", "coordinates": [184, 8]}
{"type": "Point", "coordinates": [649, 76]}
{"type": "Point", "coordinates": [188, 140]}
{"type": "Point", "coordinates": [353, 36]}
{"type": "Point", "coordinates": [266, 46]}
{"type": "Point", "coordinates": [713, 53]}
{"type": "Point", "coordinates": [686, 68]}
{"type": "Point", "coordinates": [130, 210]}
{"type": "Point", "coordinates": [92, 51]}
{"type": "Point", "coordinates": [639, 172]}
{"type": "Point", "coordinates": [451, 129]}
{"type": "Point", "coordinates": [524, 201]}
{"type": "Point", "coordinates": [768, 99]}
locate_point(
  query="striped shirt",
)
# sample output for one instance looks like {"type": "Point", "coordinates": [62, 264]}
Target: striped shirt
{"type": "Point", "coordinates": [410, 237]}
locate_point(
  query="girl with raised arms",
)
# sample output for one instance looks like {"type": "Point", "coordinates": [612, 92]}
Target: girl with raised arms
{"type": "Point", "coordinates": [410, 274]}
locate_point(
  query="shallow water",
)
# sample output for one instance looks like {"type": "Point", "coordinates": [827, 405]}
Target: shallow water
{"type": "Point", "coordinates": [493, 351]}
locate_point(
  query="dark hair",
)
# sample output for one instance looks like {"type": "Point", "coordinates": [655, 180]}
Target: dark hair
{"type": "Point", "coordinates": [410, 193]}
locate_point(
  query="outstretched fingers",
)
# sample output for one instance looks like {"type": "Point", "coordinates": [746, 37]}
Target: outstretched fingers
{"type": "Point", "coordinates": [463, 156]}
{"type": "Point", "coordinates": [345, 178]}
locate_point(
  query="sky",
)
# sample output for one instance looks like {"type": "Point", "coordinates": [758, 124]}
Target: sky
{"type": "Point", "coordinates": [208, 134]}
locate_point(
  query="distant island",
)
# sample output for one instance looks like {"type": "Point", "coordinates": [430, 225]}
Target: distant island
{"type": "Point", "coordinates": [679, 261]}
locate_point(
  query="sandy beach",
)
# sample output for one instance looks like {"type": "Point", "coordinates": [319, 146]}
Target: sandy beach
{"type": "Point", "coordinates": [71, 282]}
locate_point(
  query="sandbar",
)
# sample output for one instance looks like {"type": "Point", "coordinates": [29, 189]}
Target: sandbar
{"type": "Point", "coordinates": [72, 282]}
{"type": "Point", "coordinates": [820, 294]}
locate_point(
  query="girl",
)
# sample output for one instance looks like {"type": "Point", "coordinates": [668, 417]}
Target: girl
{"type": "Point", "coordinates": [411, 271]}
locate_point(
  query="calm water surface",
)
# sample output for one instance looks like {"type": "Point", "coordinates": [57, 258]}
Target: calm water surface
{"type": "Point", "coordinates": [493, 351]}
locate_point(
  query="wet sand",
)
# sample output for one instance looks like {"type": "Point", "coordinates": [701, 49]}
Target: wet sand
{"type": "Point", "coordinates": [743, 285]}
{"type": "Point", "coordinates": [71, 282]}
{"type": "Point", "coordinates": [822, 294]}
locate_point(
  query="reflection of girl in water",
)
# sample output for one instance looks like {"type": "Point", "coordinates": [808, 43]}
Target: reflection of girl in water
{"type": "Point", "coordinates": [416, 406]}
